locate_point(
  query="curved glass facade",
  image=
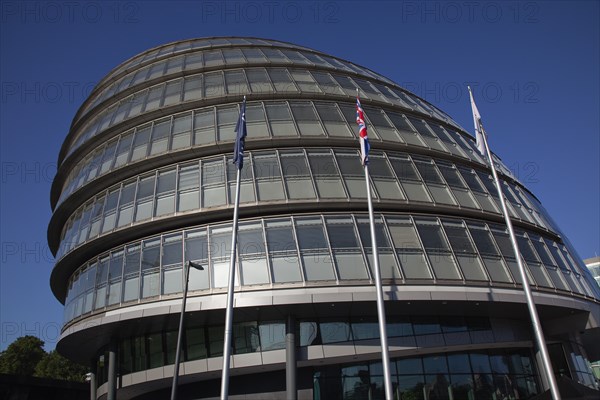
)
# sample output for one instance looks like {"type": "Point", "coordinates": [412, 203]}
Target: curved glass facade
{"type": "Point", "coordinates": [314, 248]}
{"type": "Point", "coordinates": [292, 175]}
{"type": "Point", "coordinates": [145, 183]}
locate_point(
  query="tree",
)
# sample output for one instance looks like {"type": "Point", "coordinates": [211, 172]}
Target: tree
{"type": "Point", "coordinates": [22, 356]}
{"type": "Point", "coordinates": [55, 366]}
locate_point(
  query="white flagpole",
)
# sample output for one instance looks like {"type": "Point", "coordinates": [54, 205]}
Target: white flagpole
{"type": "Point", "coordinates": [380, 304]}
{"type": "Point", "coordinates": [238, 159]}
{"type": "Point", "coordinates": [229, 309]}
{"type": "Point", "coordinates": [537, 327]}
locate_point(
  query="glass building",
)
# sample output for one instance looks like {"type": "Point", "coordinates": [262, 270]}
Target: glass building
{"type": "Point", "coordinates": [145, 183]}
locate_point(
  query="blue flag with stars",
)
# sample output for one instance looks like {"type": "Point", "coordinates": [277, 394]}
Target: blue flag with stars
{"type": "Point", "coordinates": [240, 139]}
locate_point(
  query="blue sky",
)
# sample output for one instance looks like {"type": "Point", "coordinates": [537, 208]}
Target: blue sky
{"type": "Point", "coordinates": [533, 66]}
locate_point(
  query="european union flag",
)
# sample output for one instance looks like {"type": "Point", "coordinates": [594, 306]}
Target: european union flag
{"type": "Point", "coordinates": [240, 139]}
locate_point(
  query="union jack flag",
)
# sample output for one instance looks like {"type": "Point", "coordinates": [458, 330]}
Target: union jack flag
{"type": "Point", "coordinates": [362, 131]}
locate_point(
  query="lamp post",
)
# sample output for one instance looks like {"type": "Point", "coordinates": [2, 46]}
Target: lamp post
{"type": "Point", "coordinates": [180, 333]}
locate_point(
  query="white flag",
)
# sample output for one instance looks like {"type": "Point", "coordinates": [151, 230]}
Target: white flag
{"type": "Point", "coordinates": [479, 132]}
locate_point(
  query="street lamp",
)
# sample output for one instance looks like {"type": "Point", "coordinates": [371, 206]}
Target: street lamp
{"type": "Point", "coordinates": [180, 333]}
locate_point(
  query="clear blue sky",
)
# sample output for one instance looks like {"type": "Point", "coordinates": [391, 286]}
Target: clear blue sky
{"type": "Point", "coordinates": [533, 65]}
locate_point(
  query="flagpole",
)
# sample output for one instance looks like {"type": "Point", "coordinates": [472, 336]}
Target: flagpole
{"type": "Point", "coordinates": [238, 159]}
{"type": "Point", "coordinates": [380, 305]}
{"type": "Point", "coordinates": [385, 358]}
{"type": "Point", "coordinates": [537, 327]}
{"type": "Point", "coordinates": [229, 308]}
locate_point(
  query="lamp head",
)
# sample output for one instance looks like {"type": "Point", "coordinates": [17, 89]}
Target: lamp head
{"type": "Point", "coordinates": [196, 266]}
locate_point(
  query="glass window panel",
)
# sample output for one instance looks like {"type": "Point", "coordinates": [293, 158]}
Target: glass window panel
{"type": "Point", "coordinates": [259, 81]}
{"type": "Point", "coordinates": [140, 143]}
{"type": "Point", "coordinates": [255, 271]}
{"type": "Point", "coordinates": [364, 230]}
{"type": "Point", "coordinates": [471, 267]}
{"type": "Point", "coordinates": [154, 97]}
{"type": "Point", "coordinates": [428, 172]}
{"type": "Point", "coordinates": [280, 119]}
{"type": "Point", "coordinates": [192, 88]}
{"type": "Point", "coordinates": [443, 265]}
{"type": "Point", "coordinates": [254, 55]}
{"type": "Point", "coordinates": [286, 269]}
{"type": "Point", "coordinates": [220, 278]}
{"type": "Point", "coordinates": [326, 83]}
{"type": "Point", "coordinates": [151, 254]}
{"type": "Point", "coordinates": [497, 269]}
{"type": "Point", "coordinates": [137, 102]}
{"type": "Point", "coordinates": [414, 265]}
{"type": "Point", "coordinates": [272, 335]}
{"type": "Point", "coordinates": [387, 265]}
{"type": "Point", "coordinates": [341, 233]}
{"type": "Point", "coordinates": [213, 172]}
{"type": "Point", "coordinates": [306, 119]}
{"type": "Point", "coordinates": [451, 175]}
{"type": "Point", "coordinates": [245, 337]}
{"type": "Point", "coordinates": [282, 80]}
{"type": "Point", "coordinates": [204, 131]}
{"type": "Point", "coordinates": [172, 250]}
{"type": "Point", "coordinates": [236, 82]}
{"type": "Point", "coordinates": [305, 81]}
{"type": "Point", "coordinates": [172, 280]}
{"type": "Point", "coordinates": [172, 92]}
{"type": "Point", "coordinates": [459, 238]}
{"type": "Point", "coordinates": [193, 61]}
{"type": "Point", "coordinates": [270, 189]}
{"type": "Point", "coordinates": [416, 192]}
{"type": "Point", "coordinates": [250, 240]}
{"type": "Point", "coordinates": [480, 363]}
{"type": "Point", "coordinates": [299, 188]}
{"type": "Point", "coordinates": [215, 341]}
{"type": "Point", "coordinates": [483, 240]}
{"type": "Point", "coordinates": [426, 325]}
{"type": "Point", "coordinates": [404, 169]}
{"type": "Point", "coordinates": [334, 332]}
{"type": "Point", "coordinates": [123, 150]}
{"type": "Point", "coordinates": [350, 265]}
{"type": "Point", "coordinates": [294, 164]}
{"type": "Point", "coordinates": [471, 178]}
{"type": "Point", "coordinates": [160, 136]}
{"type": "Point", "coordinates": [525, 248]}
{"type": "Point", "coordinates": [403, 234]}
{"type": "Point", "coordinates": [213, 84]}
{"type": "Point", "coordinates": [182, 126]}
{"type": "Point", "coordinates": [310, 234]}
{"type": "Point", "coordinates": [435, 365]}
{"type": "Point", "coordinates": [280, 236]}
{"type": "Point", "coordinates": [318, 266]}
{"type": "Point", "coordinates": [116, 266]}
{"type": "Point", "coordinates": [330, 188]}
{"type": "Point", "coordinates": [212, 58]}
{"type": "Point", "coordinates": [350, 165]}
{"type": "Point", "coordinates": [431, 235]}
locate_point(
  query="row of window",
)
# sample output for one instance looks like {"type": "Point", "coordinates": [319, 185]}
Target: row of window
{"type": "Point", "coordinates": [212, 125]}
{"type": "Point", "coordinates": [199, 43]}
{"type": "Point", "coordinates": [316, 248]}
{"type": "Point", "coordinates": [291, 175]}
{"type": "Point", "coordinates": [154, 350]}
{"type": "Point", "coordinates": [226, 57]}
{"type": "Point", "coordinates": [507, 374]}
{"type": "Point", "coordinates": [240, 82]}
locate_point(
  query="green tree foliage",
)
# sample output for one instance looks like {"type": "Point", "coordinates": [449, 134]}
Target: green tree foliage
{"type": "Point", "coordinates": [55, 366]}
{"type": "Point", "coordinates": [26, 356]}
{"type": "Point", "coordinates": [22, 356]}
